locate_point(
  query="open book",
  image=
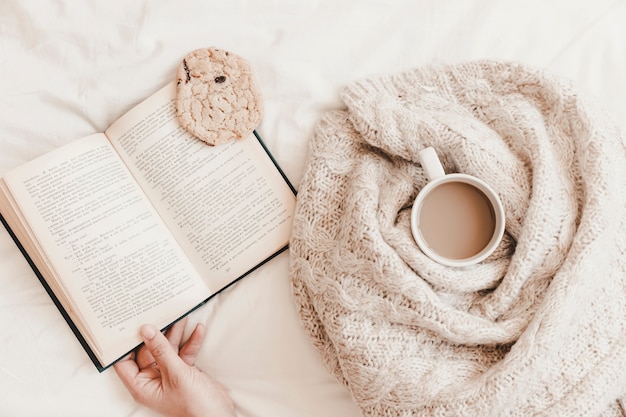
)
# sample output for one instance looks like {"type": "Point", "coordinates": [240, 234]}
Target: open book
{"type": "Point", "coordinates": [144, 223]}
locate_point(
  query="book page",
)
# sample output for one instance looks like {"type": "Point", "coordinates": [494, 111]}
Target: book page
{"type": "Point", "coordinates": [109, 252]}
{"type": "Point", "coordinates": [228, 205]}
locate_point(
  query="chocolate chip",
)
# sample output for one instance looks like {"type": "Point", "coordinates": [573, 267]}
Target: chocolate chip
{"type": "Point", "coordinates": [186, 70]}
{"type": "Point", "coordinates": [220, 79]}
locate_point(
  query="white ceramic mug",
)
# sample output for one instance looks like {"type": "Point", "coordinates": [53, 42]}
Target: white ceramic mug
{"type": "Point", "coordinates": [456, 219]}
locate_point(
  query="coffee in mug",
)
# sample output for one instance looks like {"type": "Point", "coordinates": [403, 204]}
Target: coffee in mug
{"type": "Point", "coordinates": [457, 219]}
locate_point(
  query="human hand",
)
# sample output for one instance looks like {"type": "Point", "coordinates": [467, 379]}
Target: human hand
{"type": "Point", "coordinates": [162, 376]}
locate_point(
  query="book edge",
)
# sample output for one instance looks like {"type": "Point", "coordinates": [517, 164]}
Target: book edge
{"type": "Point", "coordinates": [54, 298]}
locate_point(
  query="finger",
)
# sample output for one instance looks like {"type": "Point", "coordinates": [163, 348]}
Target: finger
{"type": "Point", "coordinates": [143, 357]}
{"type": "Point", "coordinates": [127, 370]}
{"type": "Point", "coordinates": [189, 351]}
{"type": "Point", "coordinates": [175, 334]}
{"type": "Point", "coordinates": [164, 355]}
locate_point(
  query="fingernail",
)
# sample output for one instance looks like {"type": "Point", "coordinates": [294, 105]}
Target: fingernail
{"type": "Point", "coordinates": [147, 332]}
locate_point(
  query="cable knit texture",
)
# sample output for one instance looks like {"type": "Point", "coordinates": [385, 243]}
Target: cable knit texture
{"type": "Point", "coordinates": [539, 328]}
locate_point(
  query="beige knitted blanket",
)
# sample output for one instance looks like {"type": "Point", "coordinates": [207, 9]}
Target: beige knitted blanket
{"type": "Point", "coordinates": [539, 328]}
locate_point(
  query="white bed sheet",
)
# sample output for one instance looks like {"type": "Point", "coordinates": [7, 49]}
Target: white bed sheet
{"type": "Point", "coordinates": [68, 69]}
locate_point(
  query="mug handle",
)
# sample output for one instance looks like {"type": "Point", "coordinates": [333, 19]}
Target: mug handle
{"type": "Point", "coordinates": [430, 163]}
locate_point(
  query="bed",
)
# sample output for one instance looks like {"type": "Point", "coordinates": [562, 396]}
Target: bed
{"type": "Point", "coordinates": [68, 69]}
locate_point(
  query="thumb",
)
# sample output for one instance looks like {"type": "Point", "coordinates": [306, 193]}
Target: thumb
{"type": "Point", "coordinates": [160, 348]}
